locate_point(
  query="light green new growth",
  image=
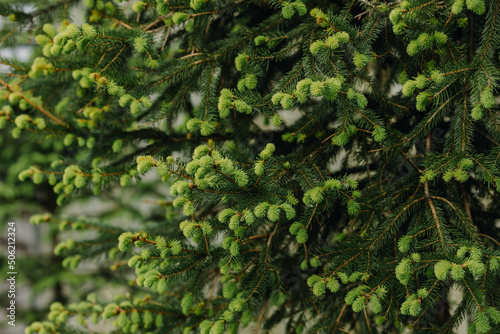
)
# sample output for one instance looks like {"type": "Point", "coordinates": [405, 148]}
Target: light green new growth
{"type": "Point", "coordinates": [325, 166]}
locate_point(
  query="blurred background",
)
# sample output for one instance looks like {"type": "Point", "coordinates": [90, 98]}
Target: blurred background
{"type": "Point", "coordinates": [41, 278]}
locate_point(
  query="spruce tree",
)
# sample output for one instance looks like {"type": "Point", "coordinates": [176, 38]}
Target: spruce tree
{"type": "Point", "coordinates": [317, 166]}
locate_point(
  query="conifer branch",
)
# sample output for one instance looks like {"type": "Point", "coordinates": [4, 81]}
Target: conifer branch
{"type": "Point", "coordinates": [176, 120]}
{"type": "Point", "coordinates": [34, 105]}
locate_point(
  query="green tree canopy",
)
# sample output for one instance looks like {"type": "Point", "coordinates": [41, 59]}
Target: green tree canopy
{"type": "Point", "coordinates": [323, 166]}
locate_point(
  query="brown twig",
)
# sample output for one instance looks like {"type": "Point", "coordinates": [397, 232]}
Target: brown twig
{"type": "Point", "coordinates": [34, 105]}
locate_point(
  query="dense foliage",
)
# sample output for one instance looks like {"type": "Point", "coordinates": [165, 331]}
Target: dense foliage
{"type": "Point", "coordinates": [316, 166]}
